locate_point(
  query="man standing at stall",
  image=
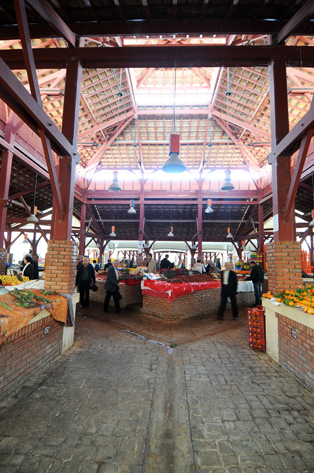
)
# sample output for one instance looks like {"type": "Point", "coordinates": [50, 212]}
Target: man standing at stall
{"type": "Point", "coordinates": [165, 263]}
{"type": "Point", "coordinates": [257, 278]}
{"type": "Point", "coordinates": [151, 264]}
{"type": "Point", "coordinates": [112, 287]}
{"type": "Point", "coordinates": [84, 277]}
{"type": "Point", "coordinates": [229, 287]}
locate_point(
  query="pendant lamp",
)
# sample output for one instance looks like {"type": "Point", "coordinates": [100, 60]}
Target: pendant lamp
{"type": "Point", "coordinates": [174, 165]}
{"type": "Point", "coordinates": [112, 234]}
{"type": "Point", "coordinates": [227, 185]}
{"type": "Point", "coordinates": [229, 233]}
{"type": "Point", "coordinates": [98, 243]}
{"type": "Point", "coordinates": [115, 187]}
{"type": "Point", "coordinates": [32, 218]}
{"type": "Point", "coordinates": [132, 209]}
{"type": "Point", "coordinates": [25, 239]}
{"type": "Point", "coordinates": [170, 234]}
{"type": "Point", "coordinates": [209, 209]}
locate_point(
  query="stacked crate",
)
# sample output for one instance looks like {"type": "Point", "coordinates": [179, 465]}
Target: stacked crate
{"type": "Point", "coordinates": [256, 326]}
{"type": "Point", "coordinates": [305, 261]}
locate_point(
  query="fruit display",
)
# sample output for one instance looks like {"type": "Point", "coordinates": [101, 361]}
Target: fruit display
{"type": "Point", "coordinates": [125, 277]}
{"type": "Point", "coordinates": [12, 280]}
{"type": "Point", "coordinates": [243, 271]}
{"type": "Point", "coordinates": [302, 297]}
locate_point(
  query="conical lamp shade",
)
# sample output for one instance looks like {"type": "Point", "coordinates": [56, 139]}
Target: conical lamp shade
{"type": "Point", "coordinates": [132, 209]}
{"type": "Point", "coordinates": [209, 209]}
{"type": "Point", "coordinates": [227, 185]}
{"type": "Point", "coordinates": [25, 239]}
{"type": "Point", "coordinates": [173, 165]}
{"type": "Point", "coordinates": [312, 222]}
{"type": "Point", "coordinates": [115, 186]}
{"type": "Point", "coordinates": [170, 234]}
{"type": "Point", "coordinates": [32, 219]}
{"type": "Point", "coordinates": [112, 234]}
{"type": "Point", "coordinates": [229, 234]}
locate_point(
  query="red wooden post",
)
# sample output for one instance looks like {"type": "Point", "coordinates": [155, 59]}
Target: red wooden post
{"type": "Point", "coordinates": [260, 228]}
{"type": "Point", "coordinates": [200, 229]}
{"type": "Point", "coordinates": [82, 230]}
{"type": "Point", "coordinates": [281, 172]}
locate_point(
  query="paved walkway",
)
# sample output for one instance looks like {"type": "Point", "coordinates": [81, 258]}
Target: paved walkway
{"type": "Point", "coordinates": [116, 403]}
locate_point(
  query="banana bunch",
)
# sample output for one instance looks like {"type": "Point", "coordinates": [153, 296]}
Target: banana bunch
{"type": "Point", "coordinates": [12, 280]}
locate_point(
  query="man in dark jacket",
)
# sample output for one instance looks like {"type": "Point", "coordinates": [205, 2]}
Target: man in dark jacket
{"type": "Point", "coordinates": [165, 263]}
{"type": "Point", "coordinates": [112, 287]}
{"type": "Point", "coordinates": [229, 287]}
{"type": "Point", "coordinates": [84, 277]}
{"type": "Point", "coordinates": [257, 278]}
{"type": "Point", "coordinates": [35, 264]}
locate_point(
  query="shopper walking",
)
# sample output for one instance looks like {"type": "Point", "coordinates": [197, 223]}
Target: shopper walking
{"type": "Point", "coordinates": [229, 287]}
{"type": "Point", "coordinates": [112, 287]}
{"type": "Point", "coordinates": [28, 270]}
{"type": "Point", "coordinates": [257, 278]}
{"type": "Point", "coordinates": [84, 277]}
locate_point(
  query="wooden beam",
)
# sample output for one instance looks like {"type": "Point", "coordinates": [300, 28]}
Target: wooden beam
{"type": "Point", "coordinates": [305, 143]}
{"type": "Point", "coordinates": [303, 14]}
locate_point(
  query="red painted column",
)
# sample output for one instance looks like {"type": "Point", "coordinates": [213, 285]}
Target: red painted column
{"type": "Point", "coordinates": [283, 254]}
{"type": "Point", "coordinates": [82, 230]}
{"type": "Point", "coordinates": [5, 174]}
{"type": "Point", "coordinates": [260, 228]}
{"type": "Point", "coordinates": [62, 251]}
{"type": "Point", "coordinates": [281, 172]}
{"type": "Point", "coordinates": [200, 229]}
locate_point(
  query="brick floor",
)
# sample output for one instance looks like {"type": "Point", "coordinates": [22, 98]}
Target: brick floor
{"type": "Point", "coordinates": [115, 403]}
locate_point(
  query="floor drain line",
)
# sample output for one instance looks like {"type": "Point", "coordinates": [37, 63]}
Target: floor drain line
{"type": "Point", "coordinates": [169, 349]}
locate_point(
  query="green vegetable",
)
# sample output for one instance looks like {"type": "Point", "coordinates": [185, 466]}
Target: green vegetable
{"type": "Point", "coordinates": [6, 306]}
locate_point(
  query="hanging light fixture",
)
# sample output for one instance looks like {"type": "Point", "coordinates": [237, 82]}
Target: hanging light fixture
{"type": "Point", "coordinates": [132, 209]}
{"type": "Point", "coordinates": [32, 218]}
{"type": "Point", "coordinates": [25, 239]}
{"type": "Point", "coordinates": [115, 187]}
{"type": "Point", "coordinates": [174, 165]}
{"type": "Point", "coordinates": [170, 234]}
{"type": "Point", "coordinates": [209, 209]}
{"type": "Point", "coordinates": [227, 185]}
{"type": "Point", "coordinates": [113, 228]}
{"type": "Point", "coordinates": [229, 232]}
{"type": "Point", "coordinates": [98, 243]}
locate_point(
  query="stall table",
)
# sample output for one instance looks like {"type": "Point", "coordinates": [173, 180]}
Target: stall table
{"type": "Point", "coordinates": [173, 301]}
{"type": "Point", "coordinates": [130, 291]}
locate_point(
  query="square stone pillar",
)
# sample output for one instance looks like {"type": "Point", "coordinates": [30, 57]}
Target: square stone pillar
{"type": "Point", "coordinates": [3, 261]}
{"type": "Point", "coordinates": [283, 266]}
{"type": "Point", "coordinates": [60, 266]}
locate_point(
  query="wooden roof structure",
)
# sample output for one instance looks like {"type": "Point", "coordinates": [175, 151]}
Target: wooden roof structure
{"type": "Point", "coordinates": [149, 69]}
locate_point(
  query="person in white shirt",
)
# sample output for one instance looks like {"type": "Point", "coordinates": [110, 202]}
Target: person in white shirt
{"type": "Point", "coordinates": [199, 267]}
{"type": "Point", "coordinates": [151, 263]}
{"type": "Point", "coordinates": [229, 287]}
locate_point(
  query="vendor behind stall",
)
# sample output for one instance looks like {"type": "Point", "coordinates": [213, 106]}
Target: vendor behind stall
{"type": "Point", "coordinates": [28, 270]}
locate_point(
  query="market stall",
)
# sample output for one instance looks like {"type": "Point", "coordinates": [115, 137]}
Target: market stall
{"type": "Point", "coordinates": [186, 296]}
{"type": "Point", "coordinates": [35, 327]}
{"type": "Point", "coordinates": [290, 332]}
{"type": "Point", "coordinates": [129, 287]}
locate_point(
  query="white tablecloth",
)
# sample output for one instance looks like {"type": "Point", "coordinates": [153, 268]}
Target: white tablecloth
{"type": "Point", "coordinates": [245, 286]}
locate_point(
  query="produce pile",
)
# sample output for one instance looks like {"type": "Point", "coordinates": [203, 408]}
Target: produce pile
{"type": "Point", "coordinates": [302, 297]}
{"type": "Point", "coordinates": [243, 271]}
{"type": "Point", "coordinates": [12, 280]}
{"type": "Point", "coordinates": [125, 276]}
{"type": "Point", "coordinates": [193, 278]}
{"type": "Point", "coordinates": [28, 299]}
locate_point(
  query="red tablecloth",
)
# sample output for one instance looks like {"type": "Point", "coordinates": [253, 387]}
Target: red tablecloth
{"type": "Point", "coordinates": [171, 291]}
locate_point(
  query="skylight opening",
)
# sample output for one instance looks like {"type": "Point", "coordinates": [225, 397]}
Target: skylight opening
{"type": "Point", "coordinates": [163, 98]}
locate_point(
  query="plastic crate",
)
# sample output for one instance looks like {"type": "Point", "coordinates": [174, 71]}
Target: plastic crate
{"type": "Point", "coordinates": [256, 332]}
{"type": "Point", "coordinates": [258, 346]}
{"type": "Point", "coordinates": [261, 340]}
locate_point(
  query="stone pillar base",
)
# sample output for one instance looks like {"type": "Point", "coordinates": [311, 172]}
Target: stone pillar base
{"type": "Point", "coordinates": [283, 266]}
{"type": "Point", "coordinates": [60, 266]}
{"type": "Point", "coordinates": [3, 261]}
